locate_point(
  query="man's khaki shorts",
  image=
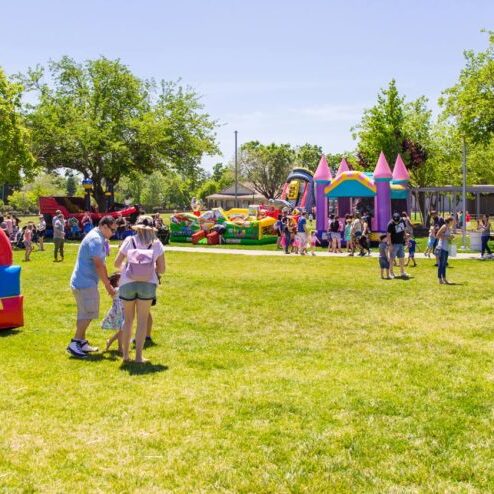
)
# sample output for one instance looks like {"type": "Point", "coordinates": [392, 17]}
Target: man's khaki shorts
{"type": "Point", "coordinates": [87, 302]}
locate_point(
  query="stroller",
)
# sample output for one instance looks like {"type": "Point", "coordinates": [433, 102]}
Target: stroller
{"type": "Point", "coordinates": [163, 234]}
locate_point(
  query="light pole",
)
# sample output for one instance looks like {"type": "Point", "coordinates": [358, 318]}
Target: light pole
{"type": "Point", "coordinates": [464, 194]}
{"type": "Point", "coordinates": [236, 172]}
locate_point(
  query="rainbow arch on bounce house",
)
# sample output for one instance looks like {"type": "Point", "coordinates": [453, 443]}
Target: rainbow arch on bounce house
{"type": "Point", "coordinates": [388, 189]}
{"type": "Point", "coordinates": [11, 300]}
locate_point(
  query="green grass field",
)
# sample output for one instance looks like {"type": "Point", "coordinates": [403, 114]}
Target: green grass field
{"type": "Point", "coordinates": [270, 375]}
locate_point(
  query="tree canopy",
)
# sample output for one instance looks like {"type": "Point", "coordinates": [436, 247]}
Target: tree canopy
{"type": "Point", "coordinates": [16, 159]}
{"type": "Point", "coordinates": [396, 126]}
{"type": "Point", "coordinates": [266, 166]}
{"type": "Point", "coordinates": [99, 119]}
{"type": "Point", "coordinates": [470, 102]}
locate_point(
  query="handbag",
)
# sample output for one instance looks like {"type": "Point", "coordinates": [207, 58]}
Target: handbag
{"type": "Point", "coordinates": [452, 250]}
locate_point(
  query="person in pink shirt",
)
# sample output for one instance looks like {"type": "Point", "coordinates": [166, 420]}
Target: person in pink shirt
{"type": "Point", "coordinates": [27, 240]}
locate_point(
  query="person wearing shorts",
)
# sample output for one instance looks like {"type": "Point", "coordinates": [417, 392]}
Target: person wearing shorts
{"type": "Point", "coordinates": [396, 242]}
{"type": "Point", "coordinates": [137, 295]}
{"type": "Point", "coordinates": [88, 270]}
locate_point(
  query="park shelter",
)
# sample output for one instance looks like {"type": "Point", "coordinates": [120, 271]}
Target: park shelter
{"type": "Point", "coordinates": [448, 199]}
{"type": "Point", "coordinates": [225, 198]}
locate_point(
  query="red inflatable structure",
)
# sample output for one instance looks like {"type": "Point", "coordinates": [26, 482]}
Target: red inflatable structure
{"type": "Point", "coordinates": [74, 207]}
{"type": "Point", "coordinates": [11, 300]}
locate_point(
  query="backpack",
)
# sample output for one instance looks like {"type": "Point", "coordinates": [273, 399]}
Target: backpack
{"type": "Point", "coordinates": [140, 263]}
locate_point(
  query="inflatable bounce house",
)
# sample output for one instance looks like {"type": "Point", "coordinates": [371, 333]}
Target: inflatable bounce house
{"type": "Point", "coordinates": [11, 312]}
{"type": "Point", "coordinates": [379, 193]}
{"type": "Point", "coordinates": [253, 226]}
{"type": "Point", "coordinates": [298, 189]}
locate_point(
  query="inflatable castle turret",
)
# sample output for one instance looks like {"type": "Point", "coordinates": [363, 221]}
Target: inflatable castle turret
{"type": "Point", "coordinates": [401, 178]}
{"type": "Point", "coordinates": [344, 203]}
{"type": "Point", "coordinates": [11, 312]}
{"type": "Point", "coordinates": [382, 201]}
{"type": "Point", "coordinates": [322, 178]}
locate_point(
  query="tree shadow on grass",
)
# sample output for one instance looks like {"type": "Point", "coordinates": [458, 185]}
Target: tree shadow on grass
{"type": "Point", "coordinates": [9, 332]}
{"type": "Point", "coordinates": [135, 369]}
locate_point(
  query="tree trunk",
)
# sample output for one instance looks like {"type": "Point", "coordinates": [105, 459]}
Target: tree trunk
{"type": "Point", "coordinates": [99, 194]}
{"type": "Point", "coordinates": [420, 202]}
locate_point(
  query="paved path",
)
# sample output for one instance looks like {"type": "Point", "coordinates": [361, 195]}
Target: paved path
{"type": "Point", "coordinates": [252, 252]}
{"type": "Point", "coordinates": [271, 253]}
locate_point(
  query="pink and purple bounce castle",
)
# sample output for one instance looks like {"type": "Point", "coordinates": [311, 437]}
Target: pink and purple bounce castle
{"type": "Point", "coordinates": [379, 193]}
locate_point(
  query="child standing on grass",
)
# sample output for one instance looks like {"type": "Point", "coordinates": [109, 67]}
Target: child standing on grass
{"type": "Point", "coordinates": [383, 257]}
{"type": "Point", "coordinates": [431, 240]}
{"type": "Point", "coordinates": [412, 245]}
{"type": "Point", "coordinates": [313, 242]}
{"type": "Point", "coordinates": [114, 318]}
{"type": "Point", "coordinates": [27, 240]}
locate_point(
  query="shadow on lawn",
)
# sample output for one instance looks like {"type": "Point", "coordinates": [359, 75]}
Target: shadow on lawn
{"type": "Point", "coordinates": [135, 369]}
{"type": "Point", "coordinates": [9, 332]}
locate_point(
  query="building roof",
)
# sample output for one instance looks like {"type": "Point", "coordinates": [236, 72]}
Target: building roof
{"type": "Point", "coordinates": [474, 189]}
{"type": "Point", "coordinates": [242, 189]}
{"type": "Point", "coordinates": [228, 197]}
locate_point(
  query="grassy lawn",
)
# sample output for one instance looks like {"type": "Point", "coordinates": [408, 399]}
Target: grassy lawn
{"type": "Point", "coordinates": [298, 374]}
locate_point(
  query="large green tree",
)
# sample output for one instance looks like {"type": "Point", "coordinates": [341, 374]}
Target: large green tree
{"type": "Point", "coordinates": [266, 166]}
{"type": "Point", "coordinates": [16, 159]}
{"type": "Point", "coordinates": [308, 156]}
{"type": "Point", "coordinates": [101, 120]}
{"type": "Point", "coordinates": [470, 102]}
{"type": "Point", "coordinates": [395, 126]}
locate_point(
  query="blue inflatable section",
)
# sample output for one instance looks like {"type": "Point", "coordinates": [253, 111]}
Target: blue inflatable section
{"type": "Point", "coordinates": [11, 281]}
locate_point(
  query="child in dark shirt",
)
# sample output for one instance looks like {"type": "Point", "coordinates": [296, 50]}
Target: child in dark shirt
{"type": "Point", "coordinates": [383, 257]}
{"type": "Point", "coordinates": [412, 245]}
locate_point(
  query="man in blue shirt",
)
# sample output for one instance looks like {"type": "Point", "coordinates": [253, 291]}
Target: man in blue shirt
{"type": "Point", "coordinates": [88, 270]}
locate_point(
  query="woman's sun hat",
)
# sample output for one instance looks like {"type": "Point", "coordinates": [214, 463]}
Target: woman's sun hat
{"type": "Point", "coordinates": [144, 223]}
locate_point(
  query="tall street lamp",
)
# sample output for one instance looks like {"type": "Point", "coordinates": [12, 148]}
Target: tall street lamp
{"type": "Point", "coordinates": [236, 172]}
{"type": "Point", "coordinates": [464, 194]}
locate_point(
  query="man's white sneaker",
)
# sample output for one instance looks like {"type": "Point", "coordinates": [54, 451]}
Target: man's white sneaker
{"type": "Point", "coordinates": [86, 347]}
{"type": "Point", "coordinates": [75, 349]}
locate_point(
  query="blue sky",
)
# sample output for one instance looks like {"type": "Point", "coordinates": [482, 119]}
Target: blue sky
{"type": "Point", "coordinates": [276, 71]}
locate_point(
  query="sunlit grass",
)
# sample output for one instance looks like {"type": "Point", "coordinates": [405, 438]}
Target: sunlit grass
{"type": "Point", "coordinates": [269, 375]}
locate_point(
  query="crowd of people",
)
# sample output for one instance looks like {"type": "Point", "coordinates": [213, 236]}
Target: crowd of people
{"type": "Point", "coordinates": [398, 241]}
{"type": "Point", "coordinates": [140, 261]}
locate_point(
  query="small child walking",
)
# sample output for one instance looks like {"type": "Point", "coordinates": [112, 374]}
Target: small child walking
{"type": "Point", "coordinates": [313, 242]}
{"type": "Point", "coordinates": [412, 245]}
{"type": "Point", "coordinates": [383, 257]}
{"type": "Point", "coordinates": [430, 241]}
{"type": "Point", "coordinates": [114, 318]}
